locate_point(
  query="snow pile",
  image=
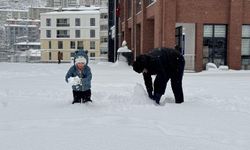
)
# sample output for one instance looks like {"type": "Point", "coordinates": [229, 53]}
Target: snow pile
{"type": "Point", "coordinates": [211, 66]}
{"type": "Point", "coordinates": [223, 68]}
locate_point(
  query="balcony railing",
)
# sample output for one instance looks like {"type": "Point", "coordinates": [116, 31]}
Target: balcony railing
{"type": "Point", "coordinates": [62, 36]}
{"type": "Point", "coordinates": [62, 24]}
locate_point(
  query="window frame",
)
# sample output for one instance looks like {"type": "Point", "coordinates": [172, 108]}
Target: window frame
{"type": "Point", "coordinates": [48, 22]}
{"type": "Point", "coordinates": [77, 33]}
{"type": "Point", "coordinates": [62, 22]}
{"type": "Point", "coordinates": [92, 45]}
{"type": "Point", "coordinates": [92, 33]}
{"type": "Point", "coordinates": [60, 44]}
{"type": "Point", "coordinates": [48, 33]}
{"type": "Point", "coordinates": [77, 22]}
{"type": "Point", "coordinates": [62, 33]}
{"type": "Point", "coordinates": [92, 54]}
{"type": "Point", "coordinates": [72, 44]}
{"type": "Point", "coordinates": [80, 45]}
{"type": "Point", "coordinates": [245, 59]}
{"type": "Point", "coordinates": [92, 22]}
{"type": "Point", "coordinates": [49, 44]}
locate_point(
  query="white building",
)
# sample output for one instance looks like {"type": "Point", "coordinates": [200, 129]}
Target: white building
{"type": "Point", "coordinates": [67, 31]}
{"type": "Point", "coordinates": [12, 14]}
{"type": "Point", "coordinates": [21, 30]}
{"type": "Point", "coordinates": [104, 30]}
{"type": "Point", "coordinates": [34, 12]}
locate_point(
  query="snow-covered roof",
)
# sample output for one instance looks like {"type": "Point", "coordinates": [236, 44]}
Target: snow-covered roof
{"type": "Point", "coordinates": [16, 10]}
{"type": "Point", "coordinates": [82, 8]}
{"type": "Point", "coordinates": [19, 25]}
{"type": "Point", "coordinates": [72, 12]}
{"type": "Point", "coordinates": [43, 7]}
{"type": "Point", "coordinates": [28, 43]}
{"type": "Point", "coordinates": [23, 20]}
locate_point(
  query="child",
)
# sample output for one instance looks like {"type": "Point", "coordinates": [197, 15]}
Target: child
{"type": "Point", "coordinates": [79, 75]}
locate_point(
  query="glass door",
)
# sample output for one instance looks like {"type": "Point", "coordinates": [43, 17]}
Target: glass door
{"type": "Point", "coordinates": [179, 40]}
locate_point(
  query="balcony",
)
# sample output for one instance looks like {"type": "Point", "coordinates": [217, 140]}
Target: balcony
{"type": "Point", "coordinates": [62, 36]}
{"type": "Point", "coordinates": [62, 25]}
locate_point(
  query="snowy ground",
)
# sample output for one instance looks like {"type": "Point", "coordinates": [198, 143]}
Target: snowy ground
{"type": "Point", "coordinates": [36, 111]}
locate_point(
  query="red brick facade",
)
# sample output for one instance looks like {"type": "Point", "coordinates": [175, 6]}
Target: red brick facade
{"type": "Point", "coordinates": [154, 26]}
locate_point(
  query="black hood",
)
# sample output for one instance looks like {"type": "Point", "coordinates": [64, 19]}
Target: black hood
{"type": "Point", "coordinates": [140, 63]}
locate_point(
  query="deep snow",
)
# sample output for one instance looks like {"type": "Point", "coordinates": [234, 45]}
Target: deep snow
{"type": "Point", "coordinates": [36, 111]}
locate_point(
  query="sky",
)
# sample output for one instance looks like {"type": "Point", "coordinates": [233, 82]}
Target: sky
{"type": "Point", "coordinates": [36, 111]}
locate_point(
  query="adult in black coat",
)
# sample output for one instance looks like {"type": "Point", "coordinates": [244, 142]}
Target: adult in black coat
{"type": "Point", "coordinates": [165, 63]}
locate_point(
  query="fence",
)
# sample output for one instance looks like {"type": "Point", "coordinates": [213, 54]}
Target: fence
{"type": "Point", "coordinates": [20, 57]}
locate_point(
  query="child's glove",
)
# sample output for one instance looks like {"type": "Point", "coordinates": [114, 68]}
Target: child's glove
{"type": "Point", "coordinates": [74, 80]}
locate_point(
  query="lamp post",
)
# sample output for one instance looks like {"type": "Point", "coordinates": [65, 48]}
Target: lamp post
{"type": "Point", "coordinates": [114, 29]}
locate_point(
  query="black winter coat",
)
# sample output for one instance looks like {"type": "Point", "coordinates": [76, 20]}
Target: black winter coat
{"type": "Point", "coordinates": [166, 64]}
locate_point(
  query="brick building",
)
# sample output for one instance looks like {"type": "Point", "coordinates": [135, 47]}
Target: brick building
{"type": "Point", "coordinates": [204, 31]}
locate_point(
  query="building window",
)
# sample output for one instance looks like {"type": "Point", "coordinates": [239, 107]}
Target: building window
{"type": "Point", "coordinates": [80, 45]}
{"type": "Point", "coordinates": [48, 33]}
{"type": "Point", "coordinates": [62, 34]}
{"type": "Point", "coordinates": [92, 33]}
{"type": "Point", "coordinates": [245, 47]}
{"type": "Point", "coordinates": [92, 54]}
{"type": "Point", "coordinates": [92, 45]}
{"type": "Point", "coordinates": [104, 39]}
{"type": "Point", "coordinates": [129, 8]}
{"type": "Point", "coordinates": [104, 27]}
{"type": "Point", "coordinates": [138, 6]}
{"type": "Point", "coordinates": [77, 33]}
{"type": "Point", "coordinates": [72, 44]}
{"type": "Point", "coordinates": [62, 22]}
{"type": "Point", "coordinates": [215, 44]}
{"type": "Point", "coordinates": [50, 56]}
{"type": "Point", "coordinates": [148, 2]}
{"type": "Point", "coordinates": [48, 22]}
{"type": "Point", "coordinates": [104, 16]}
{"type": "Point", "coordinates": [49, 44]}
{"type": "Point", "coordinates": [92, 21]}
{"type": "Point", "coordinates": [77, 22]}
{"type": "Point", "coordinates": [60, 44]}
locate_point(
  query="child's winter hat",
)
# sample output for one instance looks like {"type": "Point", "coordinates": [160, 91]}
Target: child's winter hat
{"type": "Point", "coordinates": [79, 54]}
{"type": "Point", "coordinates": [80, 59]}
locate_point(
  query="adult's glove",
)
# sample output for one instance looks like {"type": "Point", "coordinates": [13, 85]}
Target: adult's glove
{"type": "Point", "coordinates": [157, 97]}
{"type": "Point", "coordinates": [150, 95]}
